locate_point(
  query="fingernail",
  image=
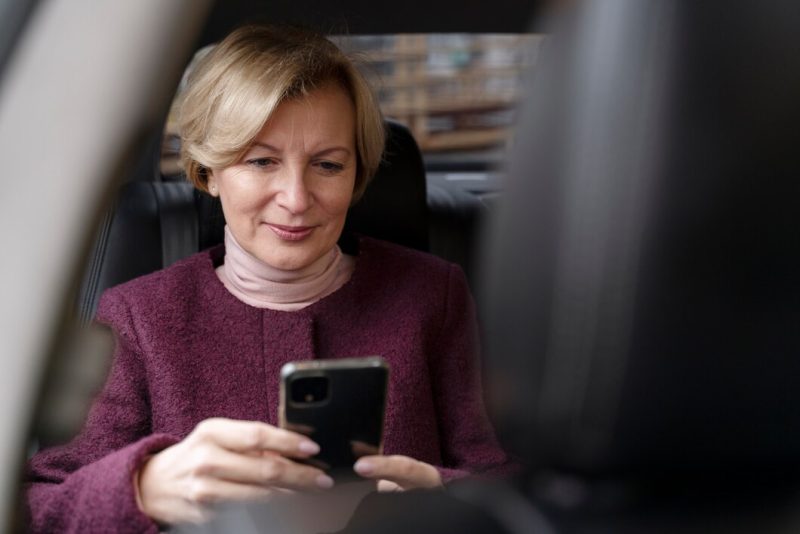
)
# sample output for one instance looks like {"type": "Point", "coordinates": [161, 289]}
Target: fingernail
{"type": "Point", "coordinates": [308, 447]}
{"type": "Point", "coordinates": [363, 467]}
{"type": "Point", "coordinates": [324, 482]}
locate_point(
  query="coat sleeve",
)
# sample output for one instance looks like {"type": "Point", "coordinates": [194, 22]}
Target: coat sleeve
{"type": "Point", "coordinates": [87, 484]}
{"type": "Point", "coordinates": [469, 445]}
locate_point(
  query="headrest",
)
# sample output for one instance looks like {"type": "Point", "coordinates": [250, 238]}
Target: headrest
{"type": "Point", "coordinates": [643, 279]}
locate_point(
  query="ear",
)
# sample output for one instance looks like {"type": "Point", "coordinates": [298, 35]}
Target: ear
{"type": "Point", "coordinates": [211, 184]}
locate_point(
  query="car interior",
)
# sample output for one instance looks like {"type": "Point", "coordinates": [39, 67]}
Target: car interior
{"type": "Point", "coordinates": [633, 246]}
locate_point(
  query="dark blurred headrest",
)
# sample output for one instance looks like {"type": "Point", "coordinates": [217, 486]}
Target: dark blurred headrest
{"type": "Point", "coordinates": [395, 206]}
{"type": "Point", "coordinates": [644, 275]}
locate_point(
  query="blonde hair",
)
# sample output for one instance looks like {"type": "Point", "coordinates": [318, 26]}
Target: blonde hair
{"type": "Point", "coordinates": [236, 86]}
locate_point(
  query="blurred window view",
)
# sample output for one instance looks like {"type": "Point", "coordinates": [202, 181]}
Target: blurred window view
{"type": "Point", "coordinates": [456, 92]}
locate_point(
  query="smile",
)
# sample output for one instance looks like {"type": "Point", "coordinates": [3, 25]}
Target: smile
{"type": "Point", "coordinates": [291, 233]}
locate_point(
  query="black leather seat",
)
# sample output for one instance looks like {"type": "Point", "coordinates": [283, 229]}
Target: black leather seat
{"type": "Point", "coordinates": [154, 223]}
{"type": "Point", "coordinates": [642, 286]}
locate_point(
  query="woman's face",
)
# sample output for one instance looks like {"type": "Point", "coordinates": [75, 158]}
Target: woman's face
{"type": "Point", "coordinates": [285, 201]}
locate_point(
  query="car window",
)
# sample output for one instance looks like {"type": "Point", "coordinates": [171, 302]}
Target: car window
{"type": "Point", "coordinates": [456, 92]}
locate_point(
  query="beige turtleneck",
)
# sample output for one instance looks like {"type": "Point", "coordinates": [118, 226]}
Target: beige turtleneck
{"type": "Point", "coordinates": [255, 283]}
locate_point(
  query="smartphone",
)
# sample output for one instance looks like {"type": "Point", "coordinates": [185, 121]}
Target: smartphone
{"type": "Point", "coordinates": [339, 404]}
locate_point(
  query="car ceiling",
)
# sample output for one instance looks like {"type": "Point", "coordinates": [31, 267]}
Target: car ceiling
{"type": "Point", "coordinates": [370, 17]}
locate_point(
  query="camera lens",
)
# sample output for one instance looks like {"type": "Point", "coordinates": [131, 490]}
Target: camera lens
{"type": "Point", "coordinates": [309, 390]}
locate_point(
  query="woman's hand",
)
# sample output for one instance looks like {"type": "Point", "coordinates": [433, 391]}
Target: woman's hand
{"type": "Point", "coordinates": [398, 473]}
{"type": "Point", "coordinates": [225, 460]}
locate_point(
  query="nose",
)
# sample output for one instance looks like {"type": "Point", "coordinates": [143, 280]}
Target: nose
{"type": "Point", "coordinates": [294, 194]}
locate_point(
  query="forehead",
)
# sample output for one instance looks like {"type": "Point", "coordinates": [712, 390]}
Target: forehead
{"type": "Point", "coordinates": [325, 115]}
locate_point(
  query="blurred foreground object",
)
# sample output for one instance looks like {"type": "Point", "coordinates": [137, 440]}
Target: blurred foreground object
{"type": "Point", "coordinates": [82, 83]}
{"type": "Point", "coordinates": [643, 275]}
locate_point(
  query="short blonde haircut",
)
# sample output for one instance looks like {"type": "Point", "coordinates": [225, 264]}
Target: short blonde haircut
{"type": "Point", "coordinates": [236, 86]}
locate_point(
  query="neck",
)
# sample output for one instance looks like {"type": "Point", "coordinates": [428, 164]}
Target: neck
{"type": "Point", "coordinates": [261, 285]}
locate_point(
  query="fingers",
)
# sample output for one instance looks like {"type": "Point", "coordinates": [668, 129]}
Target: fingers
{"type": "Point", "coordinates": [224, 459]}
{"type": "Point", "coordinates": [387, 486]}
{"type": "Point", "coordinates": [403, 471]}
{"type": "Point", "coordinates": [248, 436]}
{"type": "Point", "coordinates": [264, 470]}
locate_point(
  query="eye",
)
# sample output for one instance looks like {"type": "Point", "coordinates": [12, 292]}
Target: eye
{"type": "Point", "coordinates": [329, 167]}
{"type": "Point", "coordinates": [261, 163]}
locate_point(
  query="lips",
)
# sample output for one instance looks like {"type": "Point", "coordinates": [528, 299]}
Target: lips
{"type": "Point", "coordinates": [291, 233]}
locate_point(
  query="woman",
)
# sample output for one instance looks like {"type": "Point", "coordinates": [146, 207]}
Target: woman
{"type": "Point", "coordinates": [282, 128]}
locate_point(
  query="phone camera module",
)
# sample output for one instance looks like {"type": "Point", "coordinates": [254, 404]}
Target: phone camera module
{"type": "Point", "coordinates": [309, 390]}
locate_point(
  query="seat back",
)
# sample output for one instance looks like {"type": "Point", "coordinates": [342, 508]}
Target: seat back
{"type": "Point", "coordinates": [155, 223]}
{"type": "Point", "coordinates": [642, 295]}
{"type": "Point", "coordinates": [643, 284]}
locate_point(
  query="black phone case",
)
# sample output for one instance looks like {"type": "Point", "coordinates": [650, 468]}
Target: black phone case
{"type": "Point", "coordinates": [349, 424]}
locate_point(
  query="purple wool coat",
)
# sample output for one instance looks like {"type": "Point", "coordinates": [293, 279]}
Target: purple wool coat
{"type": "Point", "coordinates": [187, 350]}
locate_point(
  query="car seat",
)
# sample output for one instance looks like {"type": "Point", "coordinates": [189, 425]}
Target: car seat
{"type": "Point", "coordinates": [643, 279]}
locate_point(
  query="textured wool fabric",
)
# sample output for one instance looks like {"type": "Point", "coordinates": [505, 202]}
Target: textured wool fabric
{"type": "Point", "coordinates": [187, 350]}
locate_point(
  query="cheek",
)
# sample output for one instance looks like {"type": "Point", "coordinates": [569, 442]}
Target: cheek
{"type": "Point", "coordinates": [337, 200]}
{"type": "Point", "coordinates": [242, 197]}
{"type": "Point", "coordinates": [236, 207]}
{"type": "Point", "coordinates": [342, 203]}
{"type": "Point", "coordinates": [242, 213]}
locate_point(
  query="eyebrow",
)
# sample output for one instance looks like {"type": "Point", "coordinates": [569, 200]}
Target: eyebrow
{"type": "Point", "coordinates": [323, 152]}
{"type": "Point", "coordinates": [265, 145]}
